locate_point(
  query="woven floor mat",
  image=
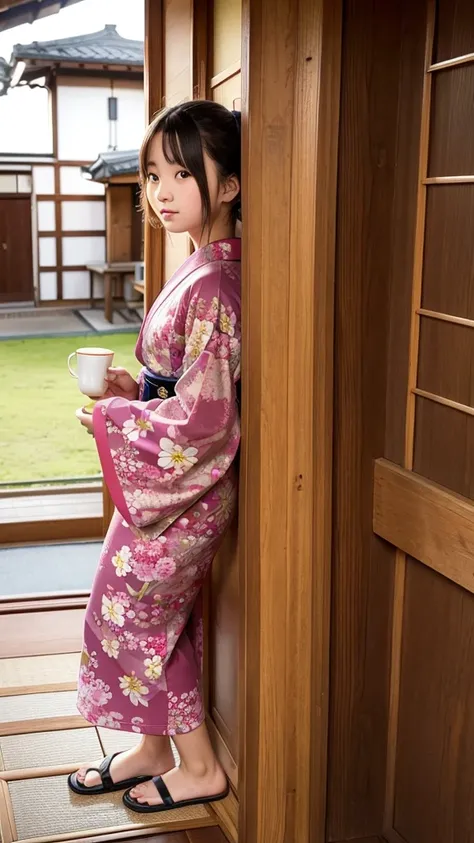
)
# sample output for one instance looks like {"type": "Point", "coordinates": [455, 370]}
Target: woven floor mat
{"type": "Point", "coordinates": [31, 671]}
{"type": "Point", "coordinates": [45, 807]}
{"type": "Point", "coordinates": [49, 749]}
{"type": "Point", "coordinates": [36, 706]}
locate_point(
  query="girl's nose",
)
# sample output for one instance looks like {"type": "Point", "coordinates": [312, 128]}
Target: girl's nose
{"type": "Point", "coordinates": [163, 192]}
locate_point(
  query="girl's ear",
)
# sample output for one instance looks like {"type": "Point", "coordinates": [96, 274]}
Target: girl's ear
{"type": "Point", "coordinates": [230, 189]}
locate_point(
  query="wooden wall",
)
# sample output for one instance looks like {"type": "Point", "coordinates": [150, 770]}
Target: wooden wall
{"type": "Point", "coordinates": [382, 67]}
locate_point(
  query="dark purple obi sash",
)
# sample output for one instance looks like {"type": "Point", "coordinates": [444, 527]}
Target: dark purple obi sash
{"type": "Point", "coordinates": [159, 386]}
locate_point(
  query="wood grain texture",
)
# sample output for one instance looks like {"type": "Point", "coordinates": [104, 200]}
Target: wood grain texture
{"type": "Point", "coordinates": [119, 210]}
{"type": "Point", "coordinates": [154, 92]}
{"type": "Point", "coordinates": [291, 72]}
{"type": "Point", "coordinates": [435, 776]}
{"type": "Point", "coordinates": [51, 518]}
{"type": "Point", "coordinates": [16, 264]}
{"type": "Point", "coordinates": [454, 35]}
{"type": "Point", "coordinates": [442, 346]}
{"type": "Point", "coordinates": [227, 814]}
{"type": "Point", "coordinates": [444, 446]}
{"type": "Point", "coordinates": [45, 633]}
{"type": "Point", "coordinates": [449, 250]}
{"type": "Point", "coordinates": [382, 66]}
{"type": "Point", "coordinates": [451, 154]}
{"type": "Point", "coordinates": [425, 521]}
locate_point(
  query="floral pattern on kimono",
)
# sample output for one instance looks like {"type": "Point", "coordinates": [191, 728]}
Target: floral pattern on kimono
{"type": "Point", "coordinates": [169, 466]}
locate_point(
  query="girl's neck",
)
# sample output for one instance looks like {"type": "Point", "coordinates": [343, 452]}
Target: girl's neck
{"type": "Point", "coordinates": [221, 230]}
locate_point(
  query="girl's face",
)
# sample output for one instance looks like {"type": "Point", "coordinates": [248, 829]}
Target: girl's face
{"type": "Point", "coordinates": [174, 194]}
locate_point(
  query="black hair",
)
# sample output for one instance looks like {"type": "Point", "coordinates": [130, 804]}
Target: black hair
{"type": "Point", "coordinates": [188, 130]}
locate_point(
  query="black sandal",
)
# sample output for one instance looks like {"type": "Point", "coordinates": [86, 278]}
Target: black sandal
{"type": "Point", "coordinates": [107, 786]}
{"type": "Point", "coordinates": [168, 802]}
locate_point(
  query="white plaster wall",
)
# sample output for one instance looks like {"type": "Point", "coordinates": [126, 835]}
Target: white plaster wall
{"type": "Point", "coordinates": [78, 251]}
{"type": "Point", "coordinates": [131, 118]}
{"type": "Point", "coordinates": [71, 181]}
{"type": "Point", "coordinates": [48, 286]}
{"type": "Point", "coordinates": [24, 183]}
{"type": "Point", "coordinates": [25, 121]}
{"type": "Point", "coordinates": [83, 124]}
{"type": "Point", "coordinates": [7, 183]}
{"type": "Point", "coordinates": [46, 216]}
{"type": "Point", "coordinates": [76, 285]}
{"type": "Point", "coordinates": [47, 251]}
{"type": "Point", "coordinates": [43, 179]}
{"type": "Point", "coordinates": [83, 216]}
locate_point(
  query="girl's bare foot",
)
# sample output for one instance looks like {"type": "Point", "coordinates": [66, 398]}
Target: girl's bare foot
{"type": "Point", "coordinates": [183, 784]}
{"type": "Point", "coordinates": [150, 758]}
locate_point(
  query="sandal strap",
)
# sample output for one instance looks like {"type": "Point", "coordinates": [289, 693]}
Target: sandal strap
{"type": "Point", "coordinates": [104, 771]}
{"type": "Point", "coordinates": [163, 791]}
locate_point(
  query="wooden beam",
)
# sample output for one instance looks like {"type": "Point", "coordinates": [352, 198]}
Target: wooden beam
{"type": "Point", "coordinates": [291, 81]}
{"type": "Point", "coordinates": [153, 239]}
{"type": "Point", "coordinates": [426, 521]}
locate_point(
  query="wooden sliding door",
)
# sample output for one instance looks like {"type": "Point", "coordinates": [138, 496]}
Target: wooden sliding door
{"type": "Point", "coordinates": [430, 776]}
{"type": "Point", "coordinates": [401, 743]}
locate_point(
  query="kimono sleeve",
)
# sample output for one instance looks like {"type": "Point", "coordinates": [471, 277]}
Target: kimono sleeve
{"type": "Point", "coordinates": [159, 457]}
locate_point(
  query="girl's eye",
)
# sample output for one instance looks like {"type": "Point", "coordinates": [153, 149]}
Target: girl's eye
{"type": "Point", "coordinates": [183, 174]}
{"type": "Point", "coordinates": [152, 177]}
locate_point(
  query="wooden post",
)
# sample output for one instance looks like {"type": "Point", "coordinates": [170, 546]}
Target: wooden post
{"type": "Point", "coordinates": [291, 69]}
{"type": "Point", "coordinates": [153, 245]}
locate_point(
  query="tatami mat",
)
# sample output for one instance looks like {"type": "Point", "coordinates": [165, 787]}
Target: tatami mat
{"type": "Point", "coordinates": [41, 806]}
{"type": "Point", "coordinates": [44, 807]}
{"type": "Point", "coordinates": [39, 670]}
{"type": "Point", "coordinates": [35, 706]}
{"type": "Point", "coordinates": [49, 749]}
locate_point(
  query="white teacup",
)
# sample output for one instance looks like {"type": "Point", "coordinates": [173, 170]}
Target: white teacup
{"type": "Point", "coordinates": [92, 365]}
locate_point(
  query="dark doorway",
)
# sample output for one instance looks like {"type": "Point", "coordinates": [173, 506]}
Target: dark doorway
{"type": "Point", "coordinates": [16, 263]}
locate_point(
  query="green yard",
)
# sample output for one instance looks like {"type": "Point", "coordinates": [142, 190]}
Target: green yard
{"type": "Point", "coordinates": [40, 438]}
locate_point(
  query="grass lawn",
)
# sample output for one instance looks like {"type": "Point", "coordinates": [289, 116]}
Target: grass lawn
{"type": "Point", "coordinates": [40, 438]}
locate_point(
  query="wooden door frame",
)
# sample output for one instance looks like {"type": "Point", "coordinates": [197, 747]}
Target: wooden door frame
{"type": "Point", "coordinates": [291, 80]}
{"type": "Point", "coordinates": [291, 83]}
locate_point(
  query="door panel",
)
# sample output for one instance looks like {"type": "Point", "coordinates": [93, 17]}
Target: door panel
{"type": "Point", "coordinates": [434, 794]}
{"type": "Point", "coordinates": [16, 263]}
{"type": "Point", "coordinates": [402, 685]}
{"type": "Point", "coordinates": [429, 791]}
{"type": "Point", "coordinates": [382, 67]}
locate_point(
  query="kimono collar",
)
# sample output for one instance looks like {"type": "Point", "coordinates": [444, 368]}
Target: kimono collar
{"type": "Point", "coordinates": [220, 250]}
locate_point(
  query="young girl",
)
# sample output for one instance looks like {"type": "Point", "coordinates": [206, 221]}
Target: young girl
{"type": "Point", "coordinates": [167, 445]}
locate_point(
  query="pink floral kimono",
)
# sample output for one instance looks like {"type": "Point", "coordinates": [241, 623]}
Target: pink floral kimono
{"type": "Point", "coordinates": [168, 465]}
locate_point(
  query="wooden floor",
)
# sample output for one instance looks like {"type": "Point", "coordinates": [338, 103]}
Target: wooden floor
{"type": "Point", "coordinates": [199, 835]}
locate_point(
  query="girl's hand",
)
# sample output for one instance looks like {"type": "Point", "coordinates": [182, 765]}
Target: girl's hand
{"type": "Point", "coordinates": [120, 384]}
{"type": "Point", "coordinates": [86, 420]}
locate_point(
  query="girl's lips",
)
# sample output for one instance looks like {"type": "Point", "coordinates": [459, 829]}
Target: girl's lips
{"type": "Point", "coordinates": [166, 213]}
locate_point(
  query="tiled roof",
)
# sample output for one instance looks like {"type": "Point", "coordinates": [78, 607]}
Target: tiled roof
{"type": "Point", "coordinates": [27, 11]}
{"type": "Point", "coordinates": [115, 163]}
{"type": "Point", "coordinates": [104, 47]}
{"type": "Point", "coordinates": [4, 75]}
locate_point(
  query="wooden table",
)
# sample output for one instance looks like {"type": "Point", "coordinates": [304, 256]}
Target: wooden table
{"type": "Point", "coordinates": [111, 272]}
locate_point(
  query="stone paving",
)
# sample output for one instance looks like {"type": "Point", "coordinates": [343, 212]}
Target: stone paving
{"type": "Point", "coordinates": [26, 323]}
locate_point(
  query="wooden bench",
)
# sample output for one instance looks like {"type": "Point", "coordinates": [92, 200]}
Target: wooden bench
{"type": "Point", "coordinates": [110, 272]}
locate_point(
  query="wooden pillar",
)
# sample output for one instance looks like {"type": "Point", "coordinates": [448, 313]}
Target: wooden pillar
{"type": "Point", "coordinates": [153, 75]}
{"type": "Point", "coordinates": [291, 77]}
